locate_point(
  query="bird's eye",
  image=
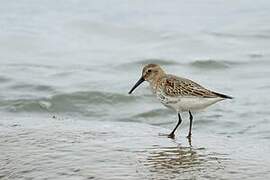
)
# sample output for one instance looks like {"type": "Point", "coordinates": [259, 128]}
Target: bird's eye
{"type": "Point", "coordinates": [149, 71]}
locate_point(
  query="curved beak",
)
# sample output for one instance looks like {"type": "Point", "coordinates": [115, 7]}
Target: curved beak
{"type": "Point", "coordinates": [136, 85]}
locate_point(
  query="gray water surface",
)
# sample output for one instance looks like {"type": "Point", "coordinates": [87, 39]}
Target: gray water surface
{"type": "Point", "coordinates": [66, 68]}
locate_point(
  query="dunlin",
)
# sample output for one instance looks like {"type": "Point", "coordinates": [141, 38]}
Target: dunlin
{"type": "Point", "coordinates": [177, 93]}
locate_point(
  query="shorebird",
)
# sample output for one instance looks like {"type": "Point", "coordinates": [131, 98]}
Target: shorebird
{"type": "Point", "coordinates": [177, 93]}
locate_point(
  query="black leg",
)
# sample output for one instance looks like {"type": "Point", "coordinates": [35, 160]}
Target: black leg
{"type": "Point", "coordinates": [190, 124]}
{"type": "Point", "coordinates": [171, 135]}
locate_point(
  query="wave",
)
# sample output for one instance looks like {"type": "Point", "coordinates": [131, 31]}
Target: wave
{"type": "Point", "coordinates": [94, 97]}
{"type": "Point", "coordinates": [201, 63]}
{"type": "Point", "coordinates": [212, 64]}
{"type": "Point", "coordinates": [29, 65]}
{"type": "Point", "coordinates": [39, 88]}
{"type": "Point", "coordinates": [67, 102]}
{"type": "Point", "coordinates": [4, 79]}
{"type": "Point", "coordinates": [251, 35]}
{"type": "Point", "coordinates": [147, 61]}
{"type": "Point", "coordinates": [155, 61]}
{"type": "Point", "coordinates": [224, 64]}
{"type": "Point", "coordinates": [256, 55]}
{"type": "Point", "coordinates": [153, 113]}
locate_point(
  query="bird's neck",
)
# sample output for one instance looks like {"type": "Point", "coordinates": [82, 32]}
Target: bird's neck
{"type": "Point", "coordinates": [154, 83]}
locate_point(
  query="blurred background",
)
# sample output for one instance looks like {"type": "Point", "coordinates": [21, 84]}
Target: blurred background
{"type": "Point", "coordinates": [66, 67]}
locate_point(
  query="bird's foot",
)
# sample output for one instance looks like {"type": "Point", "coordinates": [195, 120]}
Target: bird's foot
{"type": "Point", "coordinates": [167, 135]}
{"type": "Point", "coordinates": [189, 136]}
{"type": "Point", "coordinates": [171, 135]}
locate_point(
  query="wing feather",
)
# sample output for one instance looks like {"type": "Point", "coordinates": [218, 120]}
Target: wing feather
{"type": "Point", "coordinates": [175, 86]}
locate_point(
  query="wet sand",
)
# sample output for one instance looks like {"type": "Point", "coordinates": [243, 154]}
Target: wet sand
{"type": "Point", "coordinates": [65, 148]}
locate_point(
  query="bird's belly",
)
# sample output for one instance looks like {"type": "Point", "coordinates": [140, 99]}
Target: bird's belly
{"type": "Point", "coordinates": [191, 103]}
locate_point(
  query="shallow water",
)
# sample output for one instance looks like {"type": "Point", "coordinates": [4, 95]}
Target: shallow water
{"type": "Point", "coordinates": [66, 68]}
{"type": "Point", "coordinates": [82, 149]}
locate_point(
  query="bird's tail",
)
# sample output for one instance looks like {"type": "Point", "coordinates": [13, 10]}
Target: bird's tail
{"type": "Point", "coordinates": [223, 95]}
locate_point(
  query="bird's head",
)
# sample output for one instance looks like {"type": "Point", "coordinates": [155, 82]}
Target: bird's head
{"type": "Point", "coordinates": [150, 73]}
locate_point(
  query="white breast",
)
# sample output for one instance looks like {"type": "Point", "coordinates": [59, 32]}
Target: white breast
{"type": "Point", "coordinates": [194, 103]}
{"type": "Point", "coordinates": [181, 104]}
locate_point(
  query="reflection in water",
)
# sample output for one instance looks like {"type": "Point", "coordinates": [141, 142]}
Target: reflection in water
{"type": "Point", "coordinates": [171, 162]}
{"type": "Point", "coordinates": [170, 159]}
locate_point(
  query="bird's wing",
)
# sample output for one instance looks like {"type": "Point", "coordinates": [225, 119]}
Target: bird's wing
{"type": "Point", "coordinates": [175, 86]}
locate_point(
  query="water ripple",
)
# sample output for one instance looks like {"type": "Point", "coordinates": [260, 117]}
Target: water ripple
{"type": "Point", "coordinates": [211, 64]}
{"type": "Point", "coordinates": [72, 102]}
{"type": "Point", "coordinates": [147, 61]}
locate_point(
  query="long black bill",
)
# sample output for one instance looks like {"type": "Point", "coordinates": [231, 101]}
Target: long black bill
{"type": "Point", "coordinates": [136, 85]}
